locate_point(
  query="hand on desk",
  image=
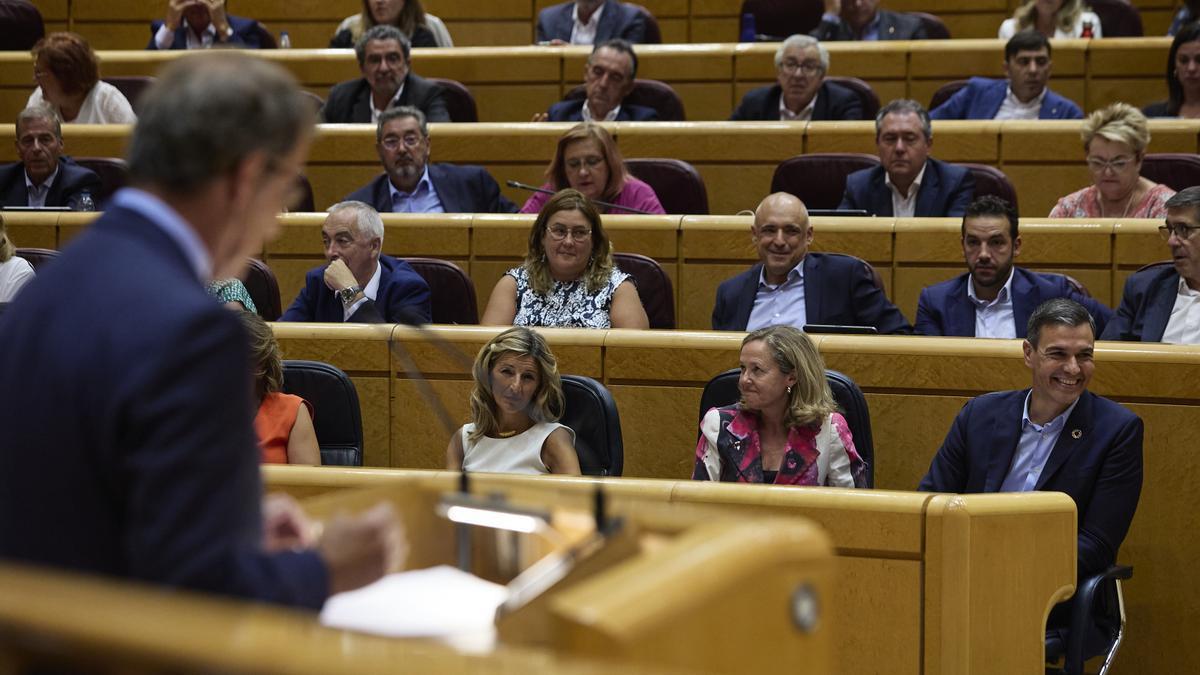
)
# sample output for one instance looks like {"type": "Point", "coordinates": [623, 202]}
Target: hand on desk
{"type": "Point", "coordinates": [360, 549]}
{"type": "Point", "coordinates": [285, 525]}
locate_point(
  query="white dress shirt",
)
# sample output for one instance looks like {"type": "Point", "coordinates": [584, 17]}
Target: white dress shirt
{"type": "Point", "coordinates": [905, 206]}
{"type": "Point", "coordinates": [1013, 109]}
{"type": "Point", "coordinates": [610, 117]}
{"type": "Point", "coordinates": [786, 115]}
{"type": "Point", "coordinates": [165, 37]}
{"type": "Point", "coordinates": [1183, 328]}
{"type": "Point", "coordinates": [376, 112]}
{"type": "Point", "coordinates": [994, 318]}
{"type": "Point", "coordinates": [369, 293]}
{"type": "Point", "coordinates": [585, 33]}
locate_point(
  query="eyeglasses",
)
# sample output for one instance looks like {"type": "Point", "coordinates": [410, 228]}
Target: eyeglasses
{"type": "Point", "coordinates": [409, 141]}
{"type": "Point", "coordinates": [1178, 229]}
{"type": "Point", "coordinates": [790, 67]}
{"type": "Point", "coordinates": [560, 233]}
{"type": "Point", "coordinates": [1118, 165]}
{"type": "Point", "coordinates": [591, 162]}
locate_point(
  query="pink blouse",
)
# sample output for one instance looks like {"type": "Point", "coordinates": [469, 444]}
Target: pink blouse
{"type": "Point", "coordinates": [636, 194]}
{"type": "Point", "coordinates": [1085, 203]}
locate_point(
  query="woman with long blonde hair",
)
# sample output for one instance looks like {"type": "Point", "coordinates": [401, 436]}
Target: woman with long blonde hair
{"type": "Point", "coordinates": [1054, 19]}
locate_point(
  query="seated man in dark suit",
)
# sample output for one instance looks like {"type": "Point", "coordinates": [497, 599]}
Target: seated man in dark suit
{"type": "Point", "coordinates": [200, 24]}
{"type": "Point", "coordinates": [791, 286]}
{"type": "Point", "coordinates": [587, 22]}
{"type": "Point", "coordinates": [1057, 437]}
{"type": "Point", "coordinates": [387, 82]}
{"type": "Point", "coordinates": [994, 298]}
{"type": "Point", "coordinates": [908, 181]}
{"type": "Point", "coordinates": [608, 77]}
{"type": "Point", "coordinates": [360, 284]}
{"type": "Point", "coordinates": [44, 177]}
{"type": "Point", "coordinates": [1162, 303]}
{"type": "Point", "coordinates": [1022, 95]}
{"type": "Point", "coordinates": [801, 93]}
{"type": "Point", "coordinates": [863, 20]}
{"type": "Point", "coordinates": [410, 184]}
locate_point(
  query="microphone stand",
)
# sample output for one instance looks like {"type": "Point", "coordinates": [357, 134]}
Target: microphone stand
{"type": "Point", "coordinates": [533, 188]}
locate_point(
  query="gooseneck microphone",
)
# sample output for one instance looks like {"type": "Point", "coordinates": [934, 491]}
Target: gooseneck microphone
{"type": "Point", "coordinates": [534, 188]}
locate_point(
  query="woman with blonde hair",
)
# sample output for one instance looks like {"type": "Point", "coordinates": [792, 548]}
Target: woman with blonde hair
{"type": "Point", "coordinates": [1054, 19]}
{"type": "Point", "coordinates": [15, 271]}
{"type": "Point", "coordinates": [284, 422]}
{"type": "Point", "coordinates": [423, 30]}
{"type": "Point", "coordinates": [1114, 141]}
{"type": "Point", "coordinates": [785, 430]}
{"type": "Point", "coordinates": [516, 402]}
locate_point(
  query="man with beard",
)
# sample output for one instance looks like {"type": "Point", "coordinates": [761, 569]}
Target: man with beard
{"type": "Point", "coordinates": [994, 299]}
{"type": "Point", "coordinates": [387, 82]}
{"type": "Point", "coordinates": [201, 24]}
{"type": "Point", "coordinates": [802, 92]}
{"type": "Point", "coordinates": [411, 184]}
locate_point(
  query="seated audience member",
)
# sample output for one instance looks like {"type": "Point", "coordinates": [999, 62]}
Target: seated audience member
{"type": "Point", "coordinates": [516, 402]}
{"type": "Point", "coordinates": [908, 182]}
{"type": "Point", "coordinates": [586, 22]}
{"type": "Point", "coordinates": [786, 429]}
{"type": "Point", "coordinates": [1023, 95]}
{"type": "Point", "coordinates": [792, 286]}
{"type": "Point", "coordinates": [1054, 19]}
{"type": "Point", "coordinates": [1162, 304]}
{"type": "Point", "coordinates": [284, 422]}
{"type": "Point", "coordinates": [1056, 436]}
{"type": "Point", "coordinates": [201, 24]}
{"type": "Point", "coordinates": [1186, 14]}
{"type": "Point", "coordinates": [411, 184]}
{"type": "Point", "coordinates": [568, 279]}
{"type": "Point", "coordinates": [863, 20]}
{"type": "Point", "coordinates": [21, 25]}
{"type": "Point", "coordinates": [68, 77]}
{"type": "Point", "coordinates": [994, 299]}
{"type": "Point", "coordinates": [587, 159]}
{"type": "Point", "coordinates": [421, 29]}
{"type": "Point", "coordinates": [801, 91]}
{"type": "Point", "coordinates": [233, 294]}
{"type": "Point", "coordinates": [1114, 141]}
{"type": "Point", "coordinates": [1183, 76]}
{"type": "Point", "coordinates": [44, 177]}
{"type": "Point", "coordinates": [15, 271]}
{"type": "Point", "coordinates": [608, 77]}
{"type": "Point", "coordinates": [360, 284]}
{"type": "Point", "coordinates": [387, 82]}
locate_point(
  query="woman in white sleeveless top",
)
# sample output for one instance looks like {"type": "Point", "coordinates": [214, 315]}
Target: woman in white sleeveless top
{"type": "Point", "coordinates": [515, 405]}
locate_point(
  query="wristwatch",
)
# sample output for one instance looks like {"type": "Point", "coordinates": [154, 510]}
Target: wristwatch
{"type": "Point", "coordinates": [346, 295]}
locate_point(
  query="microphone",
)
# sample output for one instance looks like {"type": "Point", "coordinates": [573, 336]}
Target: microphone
{"type": "Point", "coordinates": [533, 188]}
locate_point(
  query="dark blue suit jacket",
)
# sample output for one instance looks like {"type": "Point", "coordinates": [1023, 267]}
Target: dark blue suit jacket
{"type": "Point", "coordinates": [982, 97]}
{"type": "Point", "coordinates": [462, 189]}
{"type": "Point", "coordinates": [1101, 469]}
{"type": "Point", "coordinates": [245, 34]}
{"type": "Point", "coordinates": [618, 21]}
{"type": "Point", "coordinates": [70, 183]}
{"type": "Point", "coordinates": [945, 190]}
{"type": "Point", "coordinates": [129, 446]}
{"type": "Point", "coordinates": [838, 290]}
{"type": "Point", "coordinates": [1146, 305]}
{"type": "Point", "coordinates": [834, 102]}
{"type": "Point", "coordinates": [944, 308]}
{"type": "Point", "coordinates": [892, 26]}
{"type": "Point", "coordinates": [572, 111]}
{"type": "Point", "coordinates": [403, 298]}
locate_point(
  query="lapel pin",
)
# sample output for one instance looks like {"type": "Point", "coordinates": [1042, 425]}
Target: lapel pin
{"type": "Point", "coordinates": [1077, 434]}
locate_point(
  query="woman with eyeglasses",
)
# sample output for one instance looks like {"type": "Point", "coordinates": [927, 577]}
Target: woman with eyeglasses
{"type": "Point", "coordinates": [68, 77]}
{"type": "Point", "coordinates": [568, 279]}
{"type": "Point", "coordinates": [1114, 141]}
{"type": "Point", "coordinates": [587, 159]}
{"type": "Point", "coordinates": [1183, 76]}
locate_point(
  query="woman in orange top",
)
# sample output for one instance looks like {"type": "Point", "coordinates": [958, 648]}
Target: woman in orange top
{"type": "Point", "coordinates": [284, 422]}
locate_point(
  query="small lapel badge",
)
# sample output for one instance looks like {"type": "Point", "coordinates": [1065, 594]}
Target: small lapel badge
{"type": "Point", "coordinates": [1077, 434]}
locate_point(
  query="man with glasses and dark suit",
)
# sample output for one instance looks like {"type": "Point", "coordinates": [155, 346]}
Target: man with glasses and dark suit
{"type": "Point", "coordinates": [801, 92]}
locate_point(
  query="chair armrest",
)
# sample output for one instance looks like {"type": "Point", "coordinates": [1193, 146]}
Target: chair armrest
{"type": "Point", "coordinates": [1082, 606]}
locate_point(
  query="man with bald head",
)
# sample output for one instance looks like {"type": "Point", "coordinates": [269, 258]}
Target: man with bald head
{"type": "Point", "coordinates": [792, 286]}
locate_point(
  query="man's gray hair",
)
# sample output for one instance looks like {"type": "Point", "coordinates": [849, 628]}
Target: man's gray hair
{"type": "Point", "coordinates": [1057, 312]}
{"type": "Point", "coordinates": [40, 111]}
{"type": "Point", "coordinates": [801, 41]}
{"type": "Point", "coordinates": [902, 106]}
{"type": "Point", "coordinates": [366, 218]}
{"type": "Point", "coordinates": [381, 32]}
{"type": "Point", "coordinates": [400, 112]}
{"type": "Point", "coordinates": [1187, 198]}
{"type": "Point", "coordinates": [208, 113]}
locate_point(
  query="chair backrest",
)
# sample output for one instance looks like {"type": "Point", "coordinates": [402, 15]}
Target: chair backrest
{"type": "Point", "coordinates": [266, 40]}
{"type": "Point", "coordinates": [459, 101]}
{"type": "Point", "coordinates": [317, 101]}
{"type": "Point", "coordinates": [650, 94]}
{"type": "Point", "coordinates": [304, 196]}
{"type": "Point", "coordinates": [654, 288]}
{"type": "Point", "coordinates": [945, 91]}
{"type": "Point", "coordinates": [263, 288]}
{"type": "Point", "coordinates": [1118, 18]}
{"type": "Point", "coordinates": [451, 292]}
{"type": "Point", "coordinates": [819, 179]}
{"type": "Point", "coordinates": [132, 87]}
{"type": "Point", "coordinates": [36, 257]}
{"type": "Point", "coordinates": [678, 185]}
{"type": "Point", "coordinates": [1160, 263]}
{"type": "Point", "coordinates": [21, 26]}
{"type": "Point", "coordinates": [722, 390]}
{"type": "Point", "coordinates": [1176, 170]}
{"type": "Point", "coordinates": [935, 28]}
{"type": "Point", "coordinates": [1075, 284]}
{"type": "Point", "coordinates": [991, 181]}
{"type": "Point", "coordinates": [866, 95]}
{"type": "Point", "coordinates": [653, 34]}
{"type": "Point", "coordinates": [336, 415]}
{"type": "Point", "coordinates": [775, 20]}
{"type": "Point", "coordinates": [592, 414]}
{"type": "Point", "coordinates": [113, 173]}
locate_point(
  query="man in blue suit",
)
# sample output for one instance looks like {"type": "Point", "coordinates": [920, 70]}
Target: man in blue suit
{"type": "Point", "coordinates": [1023, 95]}
{"type": "Point", "coordinates": [200, 24]}
{"type": "Point", "coordinates": [908, 181]}
{"type": "Point", "coordinates": [411, 184]}
{"type": "Point", "coordinates": [608, 77]}
{"type": "Point", "coordinates": [792, 286]}
{"type": "Point", "coordinates": [994, 298]}
{"type": "Point", "coordinates": [359, 285]}
{"type": "Point", "coordinates": [586, 22]}
{"type": "Point", "coordinates": [1057, 437]}
{"type": "Point", "coordinates": [864, 20]}
{"type": "Point", "coordinates": [129, 446]}
{"type": "Point", "coordinates": [1162, 303]}
{"type": "Point", "coordinates": [801, 92]}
